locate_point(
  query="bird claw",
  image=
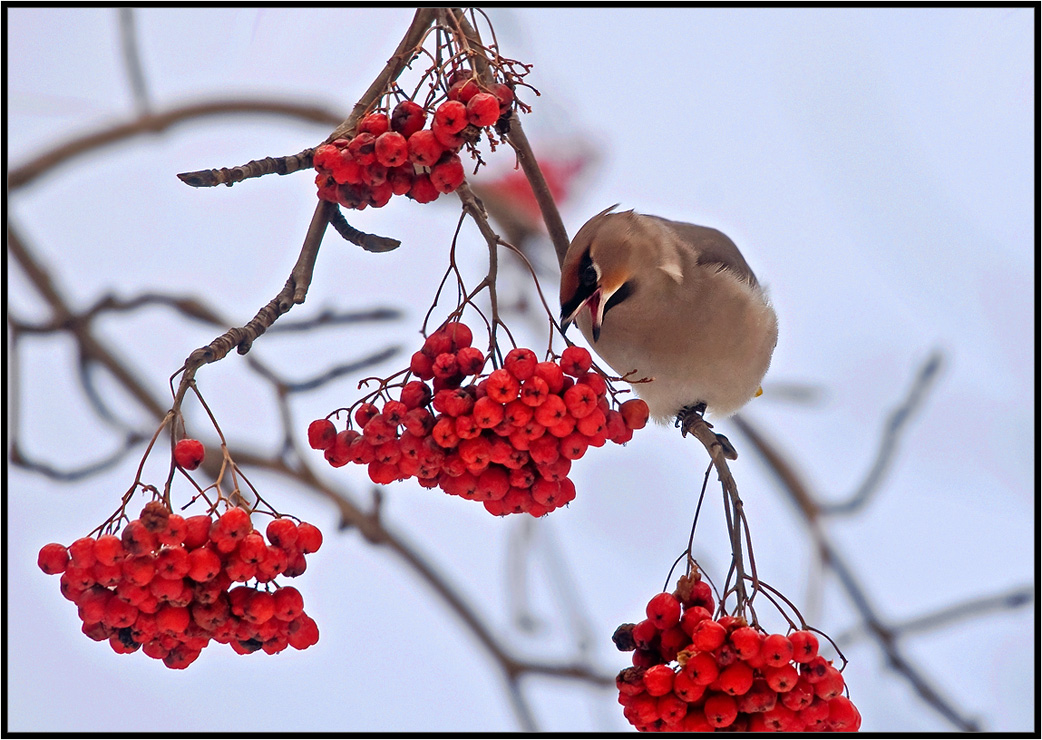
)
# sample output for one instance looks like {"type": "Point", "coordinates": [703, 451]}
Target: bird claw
{"type": "Point", "coordinates": [685, 416]}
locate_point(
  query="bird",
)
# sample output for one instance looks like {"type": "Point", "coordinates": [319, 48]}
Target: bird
{"type": "Point", "coordinates": [673, 304]}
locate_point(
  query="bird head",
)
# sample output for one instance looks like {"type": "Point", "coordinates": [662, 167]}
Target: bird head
{"type": "Point", "coordinates": [597, 271]}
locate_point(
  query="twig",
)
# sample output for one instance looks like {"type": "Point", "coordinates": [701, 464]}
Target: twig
{"type": "Point", "coordinates": [888, 442]}
{"type": "Point", "coordinates": [293, 292]}
{"type": "Point", "coordinates": [551, 216]}
{"type": "Point", "coordinates": [970, 609]}
{"type": "Point", "coordinates": [155, 123]}
{"type": "Point", "coordinates": [255, 168]}
{"type": "Point", "coordinates": [694, 424]}
{"type": "Point", "coordinates": [368, 242]}
{"type": "Point", "coordinates": [128, 41]}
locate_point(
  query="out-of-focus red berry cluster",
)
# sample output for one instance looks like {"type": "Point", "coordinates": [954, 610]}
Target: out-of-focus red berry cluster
{"type": "Point", "coordinates": [693, 673]}
{"type": "Point", "coordinates": [507, 439]}
{"type": "Point", "coordinates": [167, 585]}
{"type": "Point", "coordinates": [396, 155]}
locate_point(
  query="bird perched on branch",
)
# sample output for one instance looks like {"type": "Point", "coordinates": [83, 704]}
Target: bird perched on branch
{"type": "Point", "coordinates": [672, 302]}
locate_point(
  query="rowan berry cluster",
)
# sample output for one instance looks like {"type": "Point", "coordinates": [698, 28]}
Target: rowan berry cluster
{"type": "Point", "coordinates": [693, 673]}
{"type": "Point", "coordinates": [167, 585]}
{"type": "Point", "coordinates": [507, 439]}
{"type": "Point", "coordinates": [396, 155]}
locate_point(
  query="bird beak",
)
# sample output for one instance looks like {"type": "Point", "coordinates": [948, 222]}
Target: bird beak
{"type": "Point", "coordinates": [595, 298]}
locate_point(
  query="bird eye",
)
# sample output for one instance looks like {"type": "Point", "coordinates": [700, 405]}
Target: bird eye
{"type": "Point", "coordinates": [588, 275]}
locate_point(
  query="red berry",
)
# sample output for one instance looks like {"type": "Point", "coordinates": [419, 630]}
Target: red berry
{"type": "Point", "coordinates": [392, 150]}
{"type": "Point", "coordinates": [375, 124]}
{"type": "Point", "coordinates": [452, 142]}
{"type": "Point", "coordinates": [708, 635]}
{"type": "Point", "coordinates": [423, 191]}
{"type": "Point", "coordinates": [776, 650]}
{"type": "Point", "coordinates": [685, 687]}
{"type": "Point", "coordinates": [326, 156]}
{"type": "Point", "coordinates": [260, 607]}
{"type": "Point", "coordinates": [400, 178]}
{"type": "Point", "coordinates": [781, 678]}
{"type": "Point", "coordinates": [702, 669]}
{"type": "Point", "coordinates": [804, 646]}
{"type": "Point", "coordinates": [363, 148]}
{"type": "Point", "coordinates": [760, 698]}
{"type": "Point", "coordinates": [203, 564]}
{"type": "Point", "coordinates": [747, 642]}
{"type": "Point", "coordinates": [576, 361]}
{"type": "Point", "coordinates": [189, 453]}
{"type": "Point", "coordinates": [779, 719]}
{"type": "Point", "coordinates": [424, 148]}
{"type": "Point", "coordinates": [172, 562]}
{"type": "Point", "coordinates": [580, 400]}
{"type": "Point", "coordinates": [482, 109]}
{"type": "Point", "coordinates": [408, 118]}
{"type": "Point", "coordinates": [53, 558]}
{"type": "Point", "coordinates": [451, 116]}
{"type": "Point", "coordinates": [233, 525]}
{"type": "Point", "coordinates": [658, 680]}
{"type": "Point", "coordinates": [693, 615]}
{"type": "Point", "coordinates": [289, 604]}
{"type": "Point", "coordinates": [843, 715]}
{"type": "Point", "coordinates": [551, 411]}
{"type": "Point", "coordinates": [573, 447]}
{"type": "Point", "coordinates": [303, 632]}
{"type": "Point", "coordinates": [721, 710]}
{"type": "Point", "coordinates": [552, 374]}
{"type": "Point", "coordinates": [736, 679]}
{"type": "Point", "coordinates": [172, 619]}
{"type": "Point", "coordinates": [137, 540]}
{"type": "Point", "coordinates": [448, 174]}
{"type": "Point", "coordinates": [505, 95]}
{"type": "Point", "coordinates": [534, 391]}
{"type": "Point", "coordinates": [664, 611]}
{"type": "Point", "coordinates": [309, 538]}
{"type": "Point", "coordinates": [463, 90]}
{"type": "Point", "coordinates": [502, 386]}
{"type": "Point", "coordinates": [139, 569]}
{"type": "Point", "coordinates": [634, 413]}
{"type": "Point", "coordinates": [321, 434]}
{"type": "Point", "coordinates": [830, 686]}
{"type": "Point", "coordinates": [798, 697]}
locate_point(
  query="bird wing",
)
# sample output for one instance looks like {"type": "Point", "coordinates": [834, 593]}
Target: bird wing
{"type": "Point", "coordinates": [713, 247]}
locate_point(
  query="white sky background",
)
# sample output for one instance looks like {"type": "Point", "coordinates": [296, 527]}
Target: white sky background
{"type": "Point", "coordinates": [875, 167]}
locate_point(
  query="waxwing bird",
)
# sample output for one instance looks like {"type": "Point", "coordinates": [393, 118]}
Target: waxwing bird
{"type": "Point", "coordinates": [673, 302]}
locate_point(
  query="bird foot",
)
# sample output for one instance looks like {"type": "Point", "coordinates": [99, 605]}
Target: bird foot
{"type": "Point", "coordinates": [688, 414]}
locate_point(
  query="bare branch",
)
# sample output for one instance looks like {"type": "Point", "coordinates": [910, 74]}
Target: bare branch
{"type": "Point", "coordinates": [888, 443]}
{"type": "Point", "coordinates": [128, 42]}
{"type": "Point", "coordinates": [155, 123]}
{"type": "Point", "coordinates": [368, 242]}
{"type": "Point", "coordinates": [970, 609]}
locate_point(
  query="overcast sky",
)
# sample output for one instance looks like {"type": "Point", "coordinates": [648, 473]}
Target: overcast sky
{"type": "Point", "coordinates": [876, 167]}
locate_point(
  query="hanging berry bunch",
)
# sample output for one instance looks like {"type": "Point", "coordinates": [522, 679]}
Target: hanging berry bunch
{"type": "Point", "coordinates": [392, 151]}
{"type": "Point", "coordinates": [169, 585]}
{"type": "Point", "coordinates": [396, 155]}
{"type": "Point", "coordinates": [696, 673]}
{"type": "Point", "coordinates": [506, 438]}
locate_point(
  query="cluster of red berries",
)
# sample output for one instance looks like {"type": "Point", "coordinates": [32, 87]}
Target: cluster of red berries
{"type": "Point", "coordinates": [693, 673]}
{"type": "Point", "coordinates": [507, 440]}
{"type": "Point", "coordinates": [167, 585]}
{"type": "Point", "coordinates": [396, 155]}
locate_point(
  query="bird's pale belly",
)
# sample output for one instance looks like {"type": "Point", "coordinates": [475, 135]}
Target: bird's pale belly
{"type": "Point", "coordinates": [724, 372]}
